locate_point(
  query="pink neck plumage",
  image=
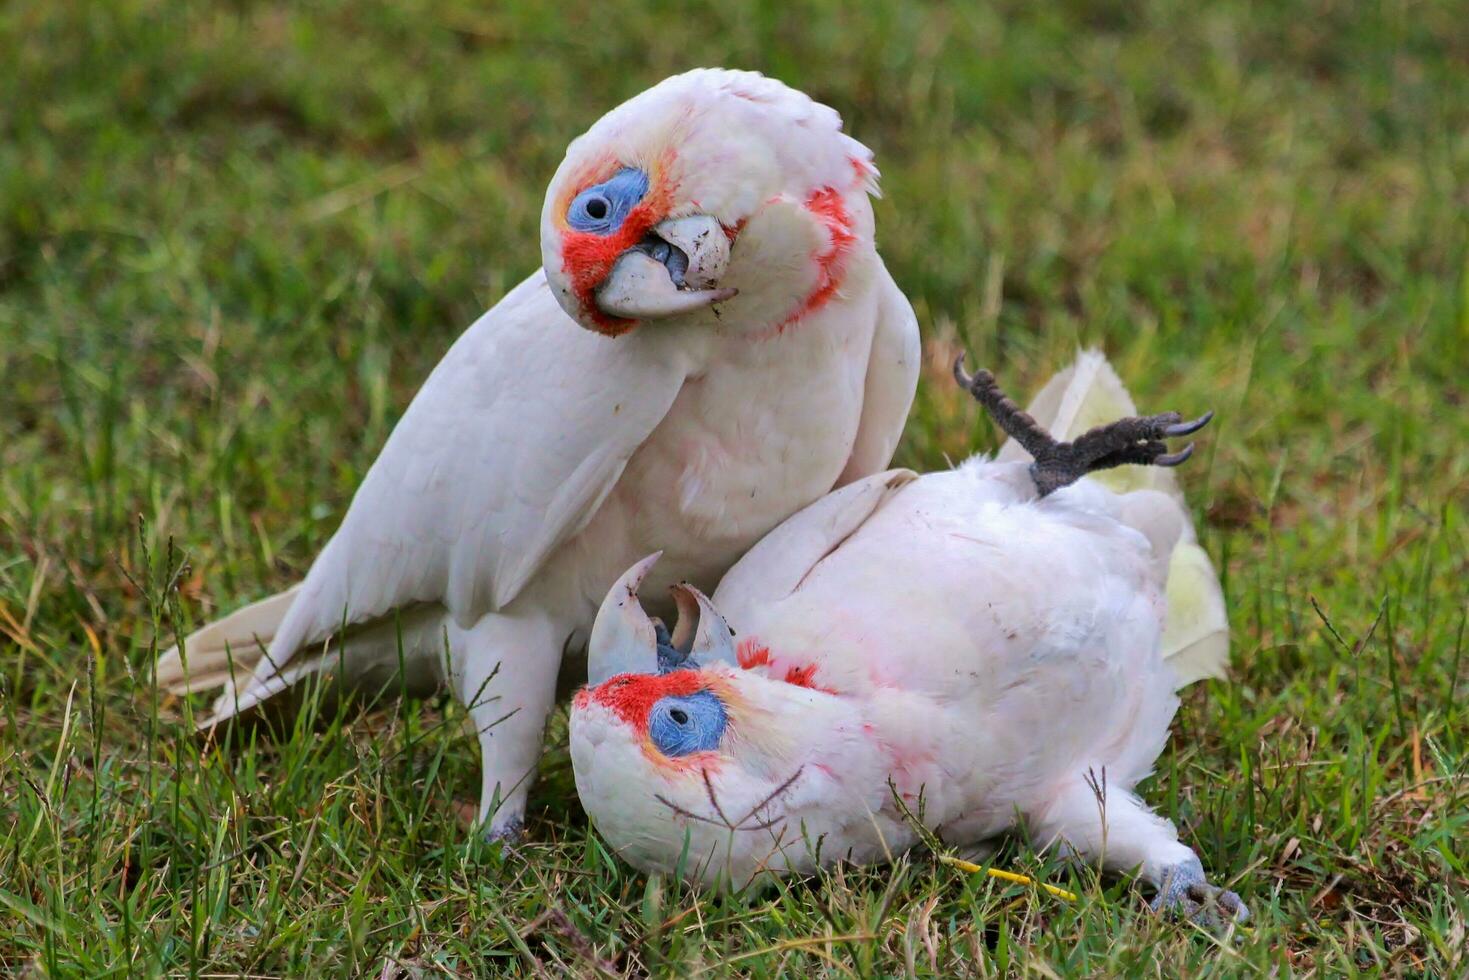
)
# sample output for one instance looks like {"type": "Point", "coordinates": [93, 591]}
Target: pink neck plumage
{"type": "Point", "coordinates": [828, 205]}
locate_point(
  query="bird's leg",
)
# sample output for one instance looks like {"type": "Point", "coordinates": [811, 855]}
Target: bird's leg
{"type": "Point", "coordinates": [1116, 830]}
{"type": "Point", "coordinates": [505, 675]}
{"type": "Point", "coordinates": [1058, 464]}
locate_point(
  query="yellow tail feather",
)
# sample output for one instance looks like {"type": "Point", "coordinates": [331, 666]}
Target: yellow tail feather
{"type": "Point", "coordinates": [1196, 634]}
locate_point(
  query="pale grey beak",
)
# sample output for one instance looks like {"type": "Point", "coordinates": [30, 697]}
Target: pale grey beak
{"type": "Point", "coordinates": [625, 641]}
{"type": "Point", "coordinates": [713, 640]}
{"type": "Point", "coordinates": [675, 270]}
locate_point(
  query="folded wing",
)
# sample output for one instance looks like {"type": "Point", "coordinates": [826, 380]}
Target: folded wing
{"type": "Point", "coordinates": [508, 449]}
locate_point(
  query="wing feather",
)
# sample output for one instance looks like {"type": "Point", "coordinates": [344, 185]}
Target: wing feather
{"type": "Point", "coordinates": [513, 442]}
{"type": "Point", "coordinates": [892, 378]}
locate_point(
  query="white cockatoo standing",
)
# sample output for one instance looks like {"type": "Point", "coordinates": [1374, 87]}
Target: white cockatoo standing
{"type": "Point", "coordinates": [988, 651]}
{"type": "Point", "coordinates": [711, 344]}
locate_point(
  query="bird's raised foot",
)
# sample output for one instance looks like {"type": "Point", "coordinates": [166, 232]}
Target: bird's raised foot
{"type": "Point", "coordinates": [1186, 892]}
{"type": "Point", "coordinates": [1137, 440]}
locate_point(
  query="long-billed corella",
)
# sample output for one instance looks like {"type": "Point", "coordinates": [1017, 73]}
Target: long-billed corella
{"type": "Point", "coordinates": [991, 646]}
{"type": "Point", "coordinates": [712, 343]}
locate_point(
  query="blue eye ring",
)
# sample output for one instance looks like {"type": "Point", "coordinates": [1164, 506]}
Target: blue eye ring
{"type": "Point", "coordinates": [680, 725]}
{"type": "Point", "coordinates": [601, 208]}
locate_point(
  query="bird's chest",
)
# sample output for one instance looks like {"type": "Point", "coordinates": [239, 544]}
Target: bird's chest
{"type": "Point", "coordinates": [765, 430]}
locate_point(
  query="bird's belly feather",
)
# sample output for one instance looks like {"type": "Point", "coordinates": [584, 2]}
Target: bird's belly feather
{"type": "Point", "coordinates": [993, 649]}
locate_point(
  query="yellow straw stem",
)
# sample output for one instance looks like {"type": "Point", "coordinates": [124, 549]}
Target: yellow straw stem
{"type": "Point", "coordinates": [1007, 876]}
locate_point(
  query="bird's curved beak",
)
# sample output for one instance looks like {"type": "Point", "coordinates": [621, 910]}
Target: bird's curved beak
{"type": "Point", "coordinates": [625, 641]}
{"type": "Point", "coordinates": [675, 269]}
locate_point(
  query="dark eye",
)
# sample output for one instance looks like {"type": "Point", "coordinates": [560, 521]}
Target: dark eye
{"type": "Point", "coordinates": [683, 724]}
{"type": "Point", "coordinates": [601, 208]}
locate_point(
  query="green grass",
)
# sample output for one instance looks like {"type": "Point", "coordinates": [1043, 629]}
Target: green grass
{"type": "Point", "coordinates": [234, 237]}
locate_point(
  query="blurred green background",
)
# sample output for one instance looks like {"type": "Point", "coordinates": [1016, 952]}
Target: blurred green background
{"type": "Point", "coordinates": [234, 238]}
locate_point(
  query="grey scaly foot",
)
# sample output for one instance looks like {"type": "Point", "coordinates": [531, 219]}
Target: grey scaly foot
{"type": "Point", "coordinates": [1137, 440]}
{"type": "Point", "coordinates": [510, 833]}
{"type": "Point", "coordinates": [1186, 892]}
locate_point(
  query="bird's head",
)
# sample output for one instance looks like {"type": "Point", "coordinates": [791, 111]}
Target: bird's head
{"type": "Point", "coordinates": [690, 764]}
{"type": "Point", "coordinates": [714, 190]}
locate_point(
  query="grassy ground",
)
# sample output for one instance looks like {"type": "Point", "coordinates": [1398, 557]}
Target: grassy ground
{"type": "Point", "coordinates": [234, 237]}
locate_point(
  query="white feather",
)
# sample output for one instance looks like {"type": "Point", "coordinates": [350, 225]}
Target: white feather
{"type": "Point", "coordinates": [1087, 394]}
{"type": "Point", "coordinates": [517, 435]}
{"type": "Point", "coordinates": [540, 459]}
{"type": "Point", "coordinates": [772, 570]}
{"type": "Point", "coordinates": [892, 376]}
{"type": "Point", "coordinates": [229, 647]}
{"type": "Point", "coordinates": [950, 638]}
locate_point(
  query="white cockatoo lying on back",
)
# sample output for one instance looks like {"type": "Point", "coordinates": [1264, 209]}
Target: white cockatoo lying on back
{"type": "Point", "coordinates": [712, 344]}
{"type": "Point", "coordinates": [989, 651]}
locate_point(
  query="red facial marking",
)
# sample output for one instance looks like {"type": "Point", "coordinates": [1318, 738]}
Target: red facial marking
{"type": "Point", "coordinates": [801, 677]}
{"type": "Point", "coordinates": [587, 258]}
{"type": "Point", "coordinates": [827, 206]}
{"type": "Point", "coordinates": [751, 654]}
{"type": "Point", "coordinates": [632, 696]}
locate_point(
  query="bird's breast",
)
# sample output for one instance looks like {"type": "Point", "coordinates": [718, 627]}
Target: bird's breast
{"type": "Point", "coordinates": [763, 430]}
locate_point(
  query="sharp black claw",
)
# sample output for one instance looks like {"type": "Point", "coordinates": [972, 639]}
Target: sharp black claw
{"type": "Point", "coordinates": [1174, 459]}
{"type": "Point", "coordinates": [1188, 428]}
{"type": "Point", "coordinates": [960, 375]}
{"type": "Point", "coordinates": [1137, 440]}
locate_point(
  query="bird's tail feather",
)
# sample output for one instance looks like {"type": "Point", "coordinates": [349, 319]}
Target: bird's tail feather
{"type": "Point", "coordinates": [1196, 634]}
{"type": "Point", "coordinates": [403, 653]}
{"type": "Point", "coordinates": [229, 647]}
{"type": "Point", "coordinates": [229, 655]}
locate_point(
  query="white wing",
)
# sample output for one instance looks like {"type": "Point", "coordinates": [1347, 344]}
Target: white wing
{"type": "Point", "coordinates": [775, 567]}
{"type": "Point", "coordinates": [510, 447]}
{"type": "Point", "coordinates": [892, 377]}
